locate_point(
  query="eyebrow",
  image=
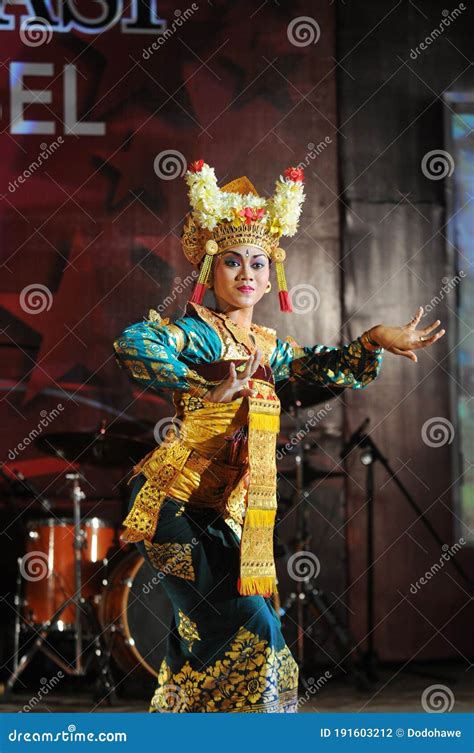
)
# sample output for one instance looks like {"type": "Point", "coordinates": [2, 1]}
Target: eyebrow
{"type": "Point", "coordinates": [236, 253]}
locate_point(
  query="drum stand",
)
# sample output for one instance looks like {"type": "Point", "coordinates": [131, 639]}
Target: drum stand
{"type": "Point", "coordinates": [307, 601]}
{"type": "Point", "coordinates": [85, 615]}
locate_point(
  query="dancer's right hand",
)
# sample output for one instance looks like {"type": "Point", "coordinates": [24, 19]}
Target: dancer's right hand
{"type": "Point", "coordinates": [236, 384]}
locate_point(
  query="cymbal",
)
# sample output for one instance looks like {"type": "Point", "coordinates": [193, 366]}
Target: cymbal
{"type": "Point", "coordinates": [94, 448]}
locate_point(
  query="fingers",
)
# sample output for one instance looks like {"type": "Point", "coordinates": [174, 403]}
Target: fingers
{"type": "Point", "coordinates": [413, 322]}
{"type": "Point", "coordinates": [430, 327]}
{"type": "Point", "coordinates": [239, 380]}
{"type": "Point", "coordinates": [407, 353]}
{"type": "Point", "coordinates": [247, 392]}
{"type": "Point", "coordinates": [430, 340]}
{"type": "Point", "coordinates": [235, 380]}
{"type": "Point", "coordinates": [258, 358]}
{"type": "Point", "coordinates": [252, 364]}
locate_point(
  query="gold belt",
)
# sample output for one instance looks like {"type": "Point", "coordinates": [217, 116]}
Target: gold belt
{"type": "Point", "coordinates": [181, 472]}
{"type": "Point", "coordinates": [204, 482]}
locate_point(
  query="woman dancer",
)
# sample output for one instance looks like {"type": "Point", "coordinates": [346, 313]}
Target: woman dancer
{"type": "Point", "coordinates": [203, 503]}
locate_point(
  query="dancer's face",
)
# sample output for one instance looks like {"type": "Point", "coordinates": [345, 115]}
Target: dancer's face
{"type": "Point", "coordinates": [243, 266]}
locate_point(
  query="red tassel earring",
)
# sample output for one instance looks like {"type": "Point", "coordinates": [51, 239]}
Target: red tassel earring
{"type": "Point", "coordinates": [202, 284]}
{"type": "Point", "coordinates": [279, 256]}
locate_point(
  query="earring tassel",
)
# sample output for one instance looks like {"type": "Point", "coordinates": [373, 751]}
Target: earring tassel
{"type": "Point", "coordinates": [283, 295]}
{"type": "Point", "coordinates": [198, 293]}
{"type": "Point", "coordinates": [285, 303]}
{"type": "Point", "coordinates": [201, 285]}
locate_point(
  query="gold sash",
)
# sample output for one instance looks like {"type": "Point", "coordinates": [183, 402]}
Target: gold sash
{"type": "Point", "coordinates": [164, 465]}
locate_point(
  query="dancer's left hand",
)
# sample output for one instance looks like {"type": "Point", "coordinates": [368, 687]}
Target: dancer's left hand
{"type": "Point", "coordinates": [402, 341]}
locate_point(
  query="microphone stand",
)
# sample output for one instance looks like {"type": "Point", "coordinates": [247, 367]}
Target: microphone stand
{"type": "Point", "coordinates": [370, 455]}
{"type": "Point", "coordinates": [308, 603]}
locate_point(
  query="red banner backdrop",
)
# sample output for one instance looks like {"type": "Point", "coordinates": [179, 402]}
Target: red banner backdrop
{"type": "Point", "coordinates": [101, 112]}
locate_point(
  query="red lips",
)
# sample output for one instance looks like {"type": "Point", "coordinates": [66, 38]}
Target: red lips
{"type": "Point", "coordinates": [246, 289]}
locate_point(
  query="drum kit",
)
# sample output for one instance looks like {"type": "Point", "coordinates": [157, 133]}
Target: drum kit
{"type": "Point", "coordinates": [78, 581]}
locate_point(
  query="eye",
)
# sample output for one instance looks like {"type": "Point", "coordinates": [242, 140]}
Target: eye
{"type": "Point", "coordinates": [259, 264]}
{"type": "Point", "coordinates": [228, 262]}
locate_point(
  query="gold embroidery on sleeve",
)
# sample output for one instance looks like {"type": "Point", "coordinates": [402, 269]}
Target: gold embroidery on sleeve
{"type": "Point", "coordinates": [137, 369]}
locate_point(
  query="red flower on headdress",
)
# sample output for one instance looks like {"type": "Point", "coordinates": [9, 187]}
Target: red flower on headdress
{"type": "Point", "coordinates": [251, 214]}
{"type": "Point", "coordinates": [295, 174]}
{"type": "Point", "coordinates": [196, 167]}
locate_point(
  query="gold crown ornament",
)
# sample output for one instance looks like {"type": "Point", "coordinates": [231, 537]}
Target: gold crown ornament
{"type": "Point", "coordinates": [235, 214]}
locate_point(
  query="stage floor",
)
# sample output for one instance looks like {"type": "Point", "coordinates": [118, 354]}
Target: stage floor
{"type": "Point", "coordinates": [396, 691]}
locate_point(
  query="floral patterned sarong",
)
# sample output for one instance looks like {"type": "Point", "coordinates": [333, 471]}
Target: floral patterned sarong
{"type": "Point", "coordinates": [225, 652]}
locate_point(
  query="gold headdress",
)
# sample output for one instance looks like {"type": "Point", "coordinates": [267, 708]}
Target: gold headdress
{"type": "Point", "coordinates": [236, 214]}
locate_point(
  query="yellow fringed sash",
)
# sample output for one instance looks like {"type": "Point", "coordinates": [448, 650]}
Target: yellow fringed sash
{"type": "Point", "coordinates": [257, 564]}
{"type": "Point", "coordinates": [162, 466]}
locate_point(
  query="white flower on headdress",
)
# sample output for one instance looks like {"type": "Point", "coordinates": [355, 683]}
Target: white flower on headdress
{"type": "Point", "coordinates": [286, 203]}
{"type": "Point", "coordinates": [210, 205]}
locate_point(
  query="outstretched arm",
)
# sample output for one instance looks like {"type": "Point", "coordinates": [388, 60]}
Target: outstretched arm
{"type": "Point", "coordinates": [156, 353]}
{"type": "Point", "coordinates": [402, 341]}
{"type": "Point", "coordinates": [359, 362]}
{"type": "Point", "coordinates": [353, 365]}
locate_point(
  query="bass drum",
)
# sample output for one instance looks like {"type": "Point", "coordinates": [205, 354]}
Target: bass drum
{"type": "Point", "coordinates": [136, 615]}
{"type": "Point", "coordinates": [48, 567]}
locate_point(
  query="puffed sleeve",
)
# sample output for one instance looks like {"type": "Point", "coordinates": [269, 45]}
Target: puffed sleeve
{"type": "Point", "coordinates": [352, 365]}
{"type": "Point", "coordinates": [159, 354]}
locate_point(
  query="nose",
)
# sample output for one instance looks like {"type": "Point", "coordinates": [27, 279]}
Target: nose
{"type": "Point", "coordinates": [246, 273]}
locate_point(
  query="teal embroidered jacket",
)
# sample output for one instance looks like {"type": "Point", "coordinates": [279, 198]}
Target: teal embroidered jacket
{"type": "Point", "coordinates": [160, 354]}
